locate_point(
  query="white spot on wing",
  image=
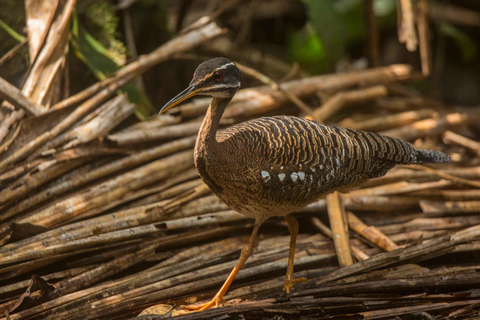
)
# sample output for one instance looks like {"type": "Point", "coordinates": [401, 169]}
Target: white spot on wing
{"type": "Point", "coordinates": [301, 175]}
{"type": "Point", "coordinates": [265, 175]}
{"type": "Point", "coordinates": [313, 169]}
{"type": "Point", "coordinates": [294, 176]}
{"type": "Point", "coordinates": [281, 176]}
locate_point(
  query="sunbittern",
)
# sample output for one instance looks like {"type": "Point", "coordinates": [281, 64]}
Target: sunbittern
{"type": "Point", "coordinates": [273, 166]}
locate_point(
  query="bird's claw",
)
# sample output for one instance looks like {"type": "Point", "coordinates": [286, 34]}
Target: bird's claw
{"type": "Point", "coordinates": [289, 282]}
{"type": "Point", "coordinates": [215, 301]}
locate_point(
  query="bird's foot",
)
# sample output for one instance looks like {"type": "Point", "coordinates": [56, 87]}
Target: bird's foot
{"type": "Point", "coordinates": [289, 282]}
{"type": "Point", "coordinates": [214, 302]}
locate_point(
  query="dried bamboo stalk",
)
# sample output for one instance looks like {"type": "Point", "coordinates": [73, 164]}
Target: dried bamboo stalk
{"type": "Point", "coordinates": [452, 137]}
{"type": "Point", "coordinates": [420, 251]}
{"type": "Point", "coordinates": [398, 188]}
{"type": "Point", "coordinates": [116, 111]}
{"type": "Point", "coordinates": [30, 182]}
{"type": "Point", "coordinates": [115, 188]}
{"type": "Point", "coordinates": [168, 132]}
{"type": "Point", "coordinates": [444, 175]}
{"type": "Point", "coordinates": [370, 233]}
{"type": "Point", "coordinates": [428, 127]}
{"type": "Point", "coordinates": [107, 169]}
{"type": "Point", "coordinates": [400, 173]}
{"type": "Point", "coordinates": [16, 98]}
{"type": "Point", "coordinates": [429, 206]}
{"type": "Point", "coordinates": [336, 212]}
{"type": "Point", "coordinates": [345, 98]}
{"type": "Point", "coordinates": [431, 224]}
{"type": "Point", "coordinates": [357, 252]}
{"type": "Point", "coordinates": [382, 123]}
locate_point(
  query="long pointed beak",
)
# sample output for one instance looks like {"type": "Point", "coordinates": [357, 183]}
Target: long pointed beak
{"type": "Point", "coordinates": [182, 96]}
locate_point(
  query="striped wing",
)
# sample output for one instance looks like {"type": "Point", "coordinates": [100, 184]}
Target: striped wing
{"type": "Point", "coordinates": [299, 158]}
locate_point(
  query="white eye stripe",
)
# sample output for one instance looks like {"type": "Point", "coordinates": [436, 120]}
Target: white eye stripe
{"type": "Point", "coordinates": [225, 66]}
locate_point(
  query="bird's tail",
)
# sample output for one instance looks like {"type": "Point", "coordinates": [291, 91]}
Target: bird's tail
{"type": "Point", "coordinates": [431, 156]}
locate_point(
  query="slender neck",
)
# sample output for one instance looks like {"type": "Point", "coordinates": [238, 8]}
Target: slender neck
{"type": "Point", "coordinates": [208, 131]}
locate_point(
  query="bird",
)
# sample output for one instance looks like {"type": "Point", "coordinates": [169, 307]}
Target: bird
{"type": "Point", "coordinates": [274, 166]}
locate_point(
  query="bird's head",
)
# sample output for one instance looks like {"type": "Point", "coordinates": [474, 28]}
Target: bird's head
{"type": "Point", "coordinates": [218, 77]}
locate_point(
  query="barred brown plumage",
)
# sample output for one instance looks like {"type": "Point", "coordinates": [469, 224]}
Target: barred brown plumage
{"type": "Point", "coordinates": [273, 166]}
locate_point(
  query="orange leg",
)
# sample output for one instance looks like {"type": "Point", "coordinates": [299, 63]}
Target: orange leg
{"type": "Point", "coordinates": [293, 228]}
{"type": "Point", "coordinates": [246, 253]}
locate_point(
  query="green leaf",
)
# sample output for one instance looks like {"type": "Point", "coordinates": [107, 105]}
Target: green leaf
{"type": "Point", "coordinates": [103, 63]}
{"type": "Point", "coordinates": [307, 49]}
{"type": "Point", "coordinates": [329, 25]}
{"type": "Point", "coordinates": [11, 32]}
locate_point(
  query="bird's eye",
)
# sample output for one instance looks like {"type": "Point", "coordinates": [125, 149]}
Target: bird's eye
{"type": "Point", "coordinates": [217, 76]}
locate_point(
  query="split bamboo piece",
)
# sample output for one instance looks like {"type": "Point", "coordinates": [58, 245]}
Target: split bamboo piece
{"type": "Point", "coordinates": [336, 213]}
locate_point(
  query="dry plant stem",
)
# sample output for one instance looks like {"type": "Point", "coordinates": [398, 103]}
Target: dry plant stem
{"type": "Point", "coordinates": [31, 182]}
{"type": "Point", "coordinates": [372, 34]}
{"type": "Point", "coordinates": [419, 252]}
{"type": "Point", "coordinates": [414, 236]}
{"type": "Point", "coordinates": [444, 175]}
{"type": "Point", "coordinates": [428, 127]}
{"type": "Point", "coordinates": [169, 132]}
{"type": "Point", "coordinates": [45, 248]}
{"type": "Point", "coordinates": [182, 43]}
{"type": "Point", "coordinates": [103, 171]}
{"type": "Point", "coordinates": [53, 46]}
{"type": "Point", "coordinates": [391, 121]}
{"type": "Point", "coordinates": [189, 284]}
{"type": "Point", "coordinates": [153, 123]}
{"type": "Point", "coordinates": [108, 289]}
{"type": "Point", "coordinates": [333, 105]}
{"type": "Point", "coordinates": [400, 174]}
{"type": "Point", "coordinates": [114, 189]}
{"type": "Point", "coordinates": [38, 83]}
{"type": "Point", "coordinates": [431, 224]}
{"type": "Point", "coordinates": [358, 253]}
{"type": "Point", "coordinates": [454, 195]}
{"type": "Point", "coordinates": [452, 137]}
{"type": "Point", "coordinates": [16, 98]}
{"type": "Point", "coordinates": [398, 188]}
{"type": "Point", "coordinates": [117, 111]}
{"type": "Point", "coordinates": [12, 51]}
{"type": "Point", "coordinates": [57, 275]}
{"type": "Point", "coordinates": [340, 236]}
{"type": "Point", "coordinates": [322, 227]}
{"type": "Point", "coordinates": [160, 193]}
{"type": "Point", "coordinates": [454, 14]}
{"type": "Point", "coordinates": [370, 233]}
{"type": "Point", "coordinates": [275, 86]}
{"type": "Point", "coordinates": [66, 123]}
{"type": "Point", "coordinates": [103, 271]}
{"type": "Point", "coordinates": [406, 25]}
{"type": "Point", "coordinates": [450, 207]}
{"type": "Point", "coordinates": [172, 287]}
{"type": "Point", "coordinates": [424, 36]}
